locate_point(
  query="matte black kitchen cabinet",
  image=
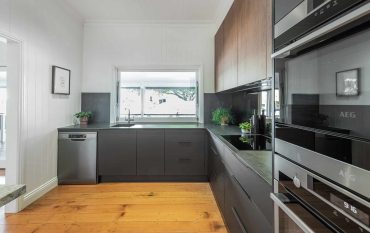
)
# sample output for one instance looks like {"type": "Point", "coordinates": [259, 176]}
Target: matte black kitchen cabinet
{"type": "Point", "coordinates": [240, 212]}
{"type": "Point", "coordinates": [185, 152]}
{"type": "Point", "coordinates": [242, 195]}
{"type": "Point", "coordinates": [117, 152]}
{"type": "Point", "coordinates": [259, 190]}
{"type": "Point", "coordinates": [150, 152]}
{"type": "Point", "coordinates": [217, 177]}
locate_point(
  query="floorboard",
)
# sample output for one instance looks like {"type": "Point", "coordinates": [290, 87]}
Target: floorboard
{"type": "Point", "coordinates": [120, 207]}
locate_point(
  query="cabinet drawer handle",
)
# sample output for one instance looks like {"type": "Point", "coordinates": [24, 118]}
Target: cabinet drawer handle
{"type": "Point", "coordinates": [184, 160]}
{"type": "Point", "coordinates": [236, 215]}
{"type": "Point", "coordinates": [241, 187]}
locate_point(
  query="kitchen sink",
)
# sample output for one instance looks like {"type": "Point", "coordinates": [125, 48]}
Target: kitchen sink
{"type": "Point", "coordinates": [123, 125]}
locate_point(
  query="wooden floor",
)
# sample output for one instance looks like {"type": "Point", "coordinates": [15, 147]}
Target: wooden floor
{"type": "Point", "coordinates": [121, 207]}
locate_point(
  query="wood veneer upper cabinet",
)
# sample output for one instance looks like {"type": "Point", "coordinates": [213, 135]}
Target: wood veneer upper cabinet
{"type": "Point", "coordinates": [269, 39]}
{"type": "Point", "coordinates": [243, 44]}
{"type": "Point", "coordinates": [231, 47]}
{"type": "Point", "coordinates": [219, 44]}
{"type": "Point", "coordinates": [252, 62]}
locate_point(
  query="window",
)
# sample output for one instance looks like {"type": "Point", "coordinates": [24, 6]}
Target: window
{"type": "Point", "coordinates": [159, 95]}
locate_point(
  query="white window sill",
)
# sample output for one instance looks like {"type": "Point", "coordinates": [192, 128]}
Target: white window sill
{"type": "Point", "coordinates": [161, 120]}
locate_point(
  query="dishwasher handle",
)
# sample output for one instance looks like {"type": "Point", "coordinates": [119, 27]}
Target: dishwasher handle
{"type": "Point", "coordinates": [79, 137]}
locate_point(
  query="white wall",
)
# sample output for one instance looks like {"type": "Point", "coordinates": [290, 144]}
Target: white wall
{"type": "Point", "coordinates": [2, 54]}
{"type": "Point", "coordinates": [110, 45]}
{"type": "Point", "coordinates": [51, 35]}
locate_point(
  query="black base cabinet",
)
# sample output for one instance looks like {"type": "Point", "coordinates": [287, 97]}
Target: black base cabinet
{"type": "Point", "coordinates": [150, 152]}
{"type": "Point", "coordinates": [235, 190]}
{"type": "Point", "coordinates": [217, 181]}
{"type": "Point", "coordinates": [241, 214]}
{"type": "Point", "coordinates": [117, 152]}
{"type": "Point", "coordinates": [152, 155]}
{"type": "Point", "coordinates": [189, 155]}
{"type": "Point", "coordinates": [185, 152]}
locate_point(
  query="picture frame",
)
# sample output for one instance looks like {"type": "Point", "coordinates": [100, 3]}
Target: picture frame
{"type": "Point", "coordinates": [61, 80]}
{"type": "Point", "coordinates": [348, 83]}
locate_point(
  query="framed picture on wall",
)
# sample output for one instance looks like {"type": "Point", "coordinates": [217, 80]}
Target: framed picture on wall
{"type": "Point", "coordinates": [61, 81]}
{"type": "Point", "coordinates": [348, 82]}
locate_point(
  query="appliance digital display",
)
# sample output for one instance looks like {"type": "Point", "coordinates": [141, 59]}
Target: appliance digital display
{"type": "Point", "coordinates": [342, 201]}
{"type": "Point", "coordinates": [350, 209]}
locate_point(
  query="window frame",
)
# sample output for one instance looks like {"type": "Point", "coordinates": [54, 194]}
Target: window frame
{"type": "Point", "coordinates": [145, 119]}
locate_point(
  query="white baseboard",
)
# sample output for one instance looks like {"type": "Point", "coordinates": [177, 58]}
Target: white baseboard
{"type": "Point", "coordinates": [35, 194]}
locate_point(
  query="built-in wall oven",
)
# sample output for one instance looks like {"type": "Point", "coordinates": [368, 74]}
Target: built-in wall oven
{"type": "Point", "coordinates": [322, 125]}
{"type": "Point", "coordinates": [307, 202]}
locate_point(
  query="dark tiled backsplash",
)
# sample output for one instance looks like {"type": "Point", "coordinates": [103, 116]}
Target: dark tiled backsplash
{"type": "Point", "coordinates": [98, 104]}
{"type": "Point", "coordinates": [242, 105]}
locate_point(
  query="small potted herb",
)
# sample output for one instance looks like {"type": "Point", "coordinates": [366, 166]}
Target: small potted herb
{"type": "Point", "coordinates": [222, 116]}
{"type": "Point", "coordinates": [245, 127]}
{"type": "Point", "coordinates": [84, 117]}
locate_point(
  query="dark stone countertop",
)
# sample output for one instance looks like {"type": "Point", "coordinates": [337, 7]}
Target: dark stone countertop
{"type": "Point", "coordinates": [259, 161]}
{"type": "Point", "coordinates": [105, 126]}
{"type": "Point", "coordinates": [9, 193]}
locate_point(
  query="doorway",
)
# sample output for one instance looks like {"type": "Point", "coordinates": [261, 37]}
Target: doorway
{"type": "Point", "coordinates": [3, 101]}
{"type": "Point", "coordinates": [10, 113]}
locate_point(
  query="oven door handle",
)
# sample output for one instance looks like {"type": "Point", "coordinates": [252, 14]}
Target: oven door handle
{"type": "Point", "coordinates": [279, 199]}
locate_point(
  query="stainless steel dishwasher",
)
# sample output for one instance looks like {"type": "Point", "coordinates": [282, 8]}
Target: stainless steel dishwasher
{"type": "Point", "coordinates": [77, 158]}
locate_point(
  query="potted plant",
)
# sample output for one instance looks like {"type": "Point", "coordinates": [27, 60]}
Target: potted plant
{"type": "Point", "coordinates": [222, 116]}
{"type": "Point", "coordinates": [245, 127]}
{"type": "Point", "coordinates": [84, 117]}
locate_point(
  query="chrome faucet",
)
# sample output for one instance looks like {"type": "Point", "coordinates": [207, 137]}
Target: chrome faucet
{"type": "Point", "coordinates": [129, 119]}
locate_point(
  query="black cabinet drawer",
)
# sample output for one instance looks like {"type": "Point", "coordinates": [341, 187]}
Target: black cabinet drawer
{"type": "Point", "coordinates": [185, 152]}
{"type": "Point", "coordinates": [184, 166]}
{"type": "Point", "coordinates": [241, 214]}
{"type": "Point", "coordinates": [185, 143]}
{"type": "Point", "coordinates": [258, 189]}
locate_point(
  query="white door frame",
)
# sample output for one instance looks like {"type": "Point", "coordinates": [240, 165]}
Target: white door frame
{"type": "Point", "coordinates": [14, 165]}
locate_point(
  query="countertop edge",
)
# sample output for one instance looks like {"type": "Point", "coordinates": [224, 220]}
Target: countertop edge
{"type": "Point", "coordinates": [236, 152]}
{"type": "Point", "coordinates": [11, 195]}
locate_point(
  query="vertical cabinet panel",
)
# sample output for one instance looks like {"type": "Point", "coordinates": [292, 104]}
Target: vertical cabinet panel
{"type": "Point", "coordinates": [243, 43]}
{"type": "Point", "coordinates": [150, 152]}
{"type": "Point", "coordinates": [217, 180]}
{"type": "Point", "coordinates": [256, 40]}
{"type": "Point", "coordinates": [117, 152]}
{"type": "Point", "coordinates": [269, 39]}
{"type": "Point", "coordinates": [219, 45]}
{"type": "Point", "coordinates": [231, 47]}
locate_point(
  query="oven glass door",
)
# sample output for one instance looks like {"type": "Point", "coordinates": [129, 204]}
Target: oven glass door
{"type": "Point", "coordinates": [294, 218]}
{"type": "Point", "coordinates": [300, 209]}
{"type": "Point", "coordinates": [327, 88]}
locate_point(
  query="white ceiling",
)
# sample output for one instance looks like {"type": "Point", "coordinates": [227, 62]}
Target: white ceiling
{"type": "Point", "coordinates": [147, 10]}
